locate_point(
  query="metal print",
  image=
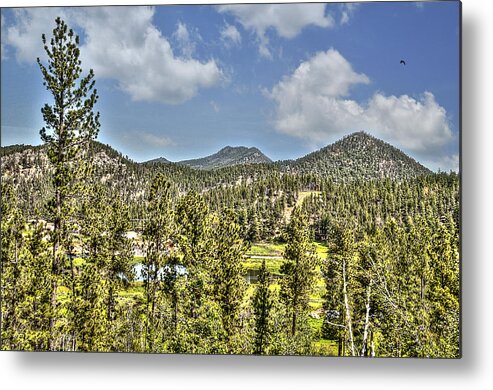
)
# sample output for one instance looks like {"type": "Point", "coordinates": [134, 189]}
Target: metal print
{"type": "Point", "coordinates": [266, 179]}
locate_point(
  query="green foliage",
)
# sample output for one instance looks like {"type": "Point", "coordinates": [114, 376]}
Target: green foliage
{"type": "Point", "coordinates": [362, 245]}
{"type": "Point", "coordinates": [299, 274]}
{"type": "Point", "coordinates": [262, 305]}
{"type": "Point", "coordinates": [70, 125]}
{"type": "Point", "coordinates": [229, 284]}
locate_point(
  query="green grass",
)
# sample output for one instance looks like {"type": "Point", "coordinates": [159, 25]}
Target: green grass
{"type": "Point", "coordinates": [277, 249]}
{"type": "Point", "coordinates": [79, 261]}
{"type": "Point", "coordinates": [266, 249]}
{"type": "Point", "coordinates": [322, 346]}
{"type": "Point", "coordinates": [273, 265]}
{"type": "Point", "coordinates": [320, 249]}
{"type": "Point", "coordinates": [138, 260]}
{"type": "Point", "coordinates": [325, 347]}
{"type": "Point", "coordinates": [133, 292]}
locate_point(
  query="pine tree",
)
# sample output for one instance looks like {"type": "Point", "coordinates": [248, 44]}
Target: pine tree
{"type": "Point", "coordinates": [339, 280]}
{"type": "Point", "coordinates": [299, 272]}
{"type": "Point", "coordinates": [158, 247]}
{"type": "Point", "coordinates": [25, 271]}
{"type": "Point", "coordinates": [70, 125]}
{"type": "Point", "coordinates": [12, 226]}
{"type": "Point", "coordinates": [262, 306]}
{"type": "Point", "coordinates": [229, 284]}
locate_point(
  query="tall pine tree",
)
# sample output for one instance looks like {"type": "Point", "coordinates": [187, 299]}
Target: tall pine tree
{"type": "Point", "coordinates": [70, 126]}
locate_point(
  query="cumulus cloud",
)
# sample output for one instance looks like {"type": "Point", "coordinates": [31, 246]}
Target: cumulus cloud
{"type": "Point", "coordinates": [230, 35]}
{"type": "Point", "coordinates": [314, 93]}
{"type": "Point", "coordinates": [25, 34]}
{"type": "Point", "coordinates": [419, 125]}
{"type": "Point", "coordinates": [123, 44]}
{"type": "Point", "coordinates": [288, 20]}
{"type": "Point", "coordinates": [313, 104]}
{"type": "Point", "coordinates": [140, 58]}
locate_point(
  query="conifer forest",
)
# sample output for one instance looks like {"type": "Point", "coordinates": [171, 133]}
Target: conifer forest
{"type": "Point", "coordinates": [352, 250]}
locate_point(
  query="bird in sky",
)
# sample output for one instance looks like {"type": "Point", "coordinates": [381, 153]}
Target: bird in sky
{"type": "Point", "coordinates": [403, 62]}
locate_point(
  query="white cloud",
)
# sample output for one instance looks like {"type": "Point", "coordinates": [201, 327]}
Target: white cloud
{"type": "Point", "coordinates": [186, 39]}
{"type": "Point", "coordinates": [419, 125]}
{"type": "Point", "coordinates": [313, 104]}
{"type": "Point", "coordinates": [230, 35]}
{"type": "Point", "coordinates": [145, 139]}
{"type": "Point", "coordinates": [347, 12]}
{"type": "Point", "coordinates": [123, 44]}
{"type": "Point", "coordinates": [443, 163]}
{"type": "Point", "coordinates": [25, 34]}
{"type": "Point", "coordinates": [140, 58]}
{"type": "Point", "coordinates": [181, 32]}
{"type": "Point", "coordinates": [3, 34]}
{"type": "Point", "coordinates": [313, 94]}
{"type": "Point", "coordinates": [288, 20]}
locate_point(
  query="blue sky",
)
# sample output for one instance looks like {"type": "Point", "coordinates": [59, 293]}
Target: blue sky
{"type": "Point", "coordinates": [184, 81]}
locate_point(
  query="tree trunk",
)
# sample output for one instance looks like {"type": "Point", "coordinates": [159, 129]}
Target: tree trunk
{"type": "Point", "coordinates": [54, 275]}
{"type": "Point", "coordinates": [367, 319]}
{"type": "Point", "coordinates": [74, 311]}
{"type": "Point", "coordinates": [372, 345]}
{"type": "Point", "coordinates": [348, 313]}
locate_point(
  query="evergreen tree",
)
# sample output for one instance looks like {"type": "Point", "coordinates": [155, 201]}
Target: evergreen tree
{"type": "Point", "coordinates": [158, 248]}
{"type": "Point", "coordinates": [299, 272]}
{"type": "Point", "coordinates": [12, 243]}
{"type": "Point", "coordinates": [229, 284]}
{"type": "Point", "coordinates": [70, 125]}
{"type": "Point", "coordinates": [200, 329]}
{"type": "Point", "coordinates": [339, 275]}
{"type": "Point", "coordinates": [262, 306]}
{"type": "Point", "coordinates": [25, 282]}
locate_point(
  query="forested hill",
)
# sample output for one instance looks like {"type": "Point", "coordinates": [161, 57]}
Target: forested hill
{"type": "Point", "coordinates": [361, 156]}
{"type": "Point", "coordinates": [158, 160]}
{"type": "Point", "coordinates": [228, 156]}
{"type": "Point", "coordinates": [17, 148]}
{"type": "Point", "coordinates": [354, 158]}
{"type": "Point", "coordinates": [96, 146]}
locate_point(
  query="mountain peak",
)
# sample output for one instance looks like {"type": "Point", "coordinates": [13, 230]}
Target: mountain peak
{"type": "Point", "coordinates": [361, 155]}
{"type": "Point", "coordinates": [228, 156]}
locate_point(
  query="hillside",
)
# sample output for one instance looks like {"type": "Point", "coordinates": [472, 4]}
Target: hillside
{"type": "Point", "coordinates": [28, 167]}
{"type": "Point", "coordinates": [353, 158]}
{"type": "Point", "coordinates": [228, 156]}
{"type": "Point", "coordinates": [361, 156]}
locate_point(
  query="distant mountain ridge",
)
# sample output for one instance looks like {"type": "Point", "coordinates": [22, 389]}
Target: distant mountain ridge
{"type": "Point", "coordinates": [356, 156]}
{"type": "Point", "coordinates": [158, 160]}
{"type": "Point", "coordinates": [228, 156]}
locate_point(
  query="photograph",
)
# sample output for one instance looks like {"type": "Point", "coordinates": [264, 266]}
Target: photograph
{"type": "Point", "coordinates": [279, 179]}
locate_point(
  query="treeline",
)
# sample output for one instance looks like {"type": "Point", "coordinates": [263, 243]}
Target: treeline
{"type": "Point", "coordinates": [392, 288]}
{"type": "Point", "coordinates": [193, 295]}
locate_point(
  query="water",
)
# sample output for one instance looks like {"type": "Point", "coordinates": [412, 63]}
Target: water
{"type": "Point", "coordinates": [180, 270]}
